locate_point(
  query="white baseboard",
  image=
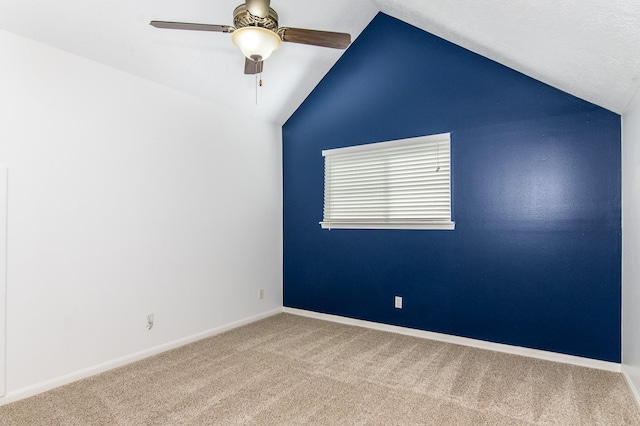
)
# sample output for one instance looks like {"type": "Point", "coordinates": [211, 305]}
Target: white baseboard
{"type": "Point", "coordinates": [109, 365]}
{"type": "Point", "coordinates": [498, 347]}
{"type": "Point", "coordinates": [464, 341]}
{"type": "Point", "coordinates": [631, 386]}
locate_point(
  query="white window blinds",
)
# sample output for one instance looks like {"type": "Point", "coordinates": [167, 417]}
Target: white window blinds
{"type": "Point", "coordinates": [398, 184]}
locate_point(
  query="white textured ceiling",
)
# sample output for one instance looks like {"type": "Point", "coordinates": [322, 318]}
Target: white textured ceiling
{"type": "Point", "coordinates": [589, 48]}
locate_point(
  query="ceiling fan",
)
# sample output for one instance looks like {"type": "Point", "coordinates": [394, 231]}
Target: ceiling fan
{"type": "Point", "coordinates": [257, 34]}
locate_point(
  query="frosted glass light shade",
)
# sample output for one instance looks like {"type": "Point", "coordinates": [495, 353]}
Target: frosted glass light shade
{"type": "Point", "coordinates": [256, 43]}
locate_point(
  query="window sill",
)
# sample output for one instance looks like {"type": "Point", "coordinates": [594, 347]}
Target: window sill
{"type": "Point", "coordinates": [389, 225]}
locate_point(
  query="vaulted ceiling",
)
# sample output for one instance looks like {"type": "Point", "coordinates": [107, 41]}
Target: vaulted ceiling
{"type": "Point", "coordinates": [589, 48]}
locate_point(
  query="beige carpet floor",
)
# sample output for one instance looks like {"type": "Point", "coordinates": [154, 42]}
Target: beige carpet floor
{"type": "Point", "coordinates": [291, 370]}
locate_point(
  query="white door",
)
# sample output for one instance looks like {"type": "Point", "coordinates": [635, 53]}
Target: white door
{"type": "Point", "coordinates": [3, 275]}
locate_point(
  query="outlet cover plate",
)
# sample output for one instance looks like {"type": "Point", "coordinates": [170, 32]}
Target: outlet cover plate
{"type": "Point", "coordinates": [398, 302]}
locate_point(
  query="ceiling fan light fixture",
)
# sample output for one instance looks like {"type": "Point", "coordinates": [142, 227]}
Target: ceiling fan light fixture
{"type": "Point", "coordinates": [256, 43]}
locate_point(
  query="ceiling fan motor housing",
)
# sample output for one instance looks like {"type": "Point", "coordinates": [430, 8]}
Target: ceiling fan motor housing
{"type": "Point", "coordinates": [242, 18]}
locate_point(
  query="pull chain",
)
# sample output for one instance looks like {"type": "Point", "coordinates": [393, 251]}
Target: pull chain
{"type": "Point", "coordinates": [258, 83]}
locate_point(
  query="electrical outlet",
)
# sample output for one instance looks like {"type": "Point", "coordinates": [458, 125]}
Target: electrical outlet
{"type": "Point", "coordinates": [149, 321]}
{"type": "Point", "coordinates": [398, 301]}
{"type": "Point", "coordinates": [261, 294]}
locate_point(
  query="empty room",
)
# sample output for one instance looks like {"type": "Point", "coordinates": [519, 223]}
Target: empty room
{"type": "Point", "coordinates": [303, 212]}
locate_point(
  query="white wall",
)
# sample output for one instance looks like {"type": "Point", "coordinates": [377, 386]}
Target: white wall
{"type": "Point", "coordinates": [631, 245]}
{"type": "Point", "coordinates": [125, 198]}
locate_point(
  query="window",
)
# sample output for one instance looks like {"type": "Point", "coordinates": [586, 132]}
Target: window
{"type": "Point", "coordinates": [403, 184]}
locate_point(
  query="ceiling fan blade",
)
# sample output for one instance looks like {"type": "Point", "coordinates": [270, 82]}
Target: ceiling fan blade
{"type": "Point", "coordinates": [258, 8]}
{"type": "Point", "coordinates": [316, 38]}
{"type": "Point", "coordinates": [252, 67]}
{"type": "Point", "coordinates": [190, 26]}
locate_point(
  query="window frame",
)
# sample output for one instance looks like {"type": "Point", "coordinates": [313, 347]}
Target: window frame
{"type": "Point", "coordinates": [423, 223]}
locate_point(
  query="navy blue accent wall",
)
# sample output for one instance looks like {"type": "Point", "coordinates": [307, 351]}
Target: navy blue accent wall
{"type": "Point", "coordinates": [535, 258]}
